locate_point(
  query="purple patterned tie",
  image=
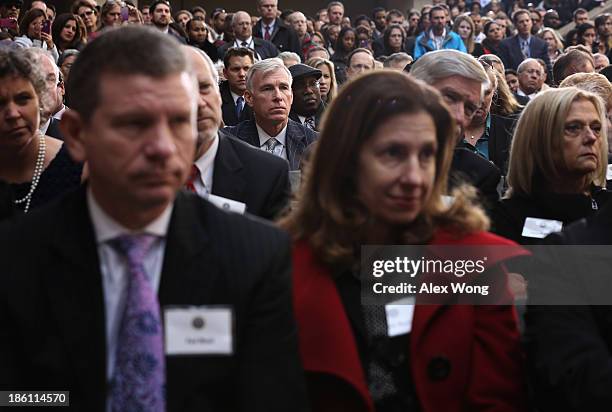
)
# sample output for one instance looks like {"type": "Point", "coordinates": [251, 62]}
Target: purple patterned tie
{"type": "Point", "coordinates": [139, 374]}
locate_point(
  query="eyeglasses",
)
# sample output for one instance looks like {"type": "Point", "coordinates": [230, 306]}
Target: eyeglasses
{"type": "Point", "coordinates": [86, 14]}
{"type": "Point", "coordinates": [575, 129]}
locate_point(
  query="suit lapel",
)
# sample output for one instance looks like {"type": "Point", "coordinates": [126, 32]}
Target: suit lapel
{"type": "Point", "coordinates": [295, 140]}
{"type": "Point", "coordinates": [228, 176]}
{"type": "Point", "coordinates": [182, 280]}
{"type": "Point", "coordinates": [76, 295]}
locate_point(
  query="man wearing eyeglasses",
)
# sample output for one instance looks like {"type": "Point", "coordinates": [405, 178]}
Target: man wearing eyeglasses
{"type": "Point", "coordinates": [307, 107]}
{"type": "Point", "coordinates": [531, 78]}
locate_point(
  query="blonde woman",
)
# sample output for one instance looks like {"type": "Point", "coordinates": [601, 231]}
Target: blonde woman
{"type": "Point", "coordinates": [557, 165]}
{"type": "Point", "coordinates": [464, 27]}
{"type": "Point", "coordinates": [554, 42]}
{"type": "Point", "coordinates": [327, 83]}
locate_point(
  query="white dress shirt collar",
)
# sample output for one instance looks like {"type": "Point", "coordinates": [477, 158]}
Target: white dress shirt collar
{"type": "Point", "coordinates": [264, 137]}
{"type": "Point", "coordinates": [235, 97]}
{"type": "Point", "coordinates": [107, 228]}
{"type": "Point", "coordinates": [206, 165]}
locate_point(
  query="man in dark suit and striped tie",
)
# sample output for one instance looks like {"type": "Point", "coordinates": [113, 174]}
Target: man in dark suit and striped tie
{"type": "Point", "coordinates": [270, 96]}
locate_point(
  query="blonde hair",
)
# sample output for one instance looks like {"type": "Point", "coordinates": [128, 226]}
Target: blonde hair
{"type": "Point", "coordinates": [554, 34]}
{"type": "Point", "coordinates": [591, 82]}
{"type": "Point", "coordinates": [504, 104]}
{"type": "Point", "coordinates": [469, 42]}
{"type": "Point", "coordinates": [535, 160]}
{"type": "Point", "coordinates": [316, 62]}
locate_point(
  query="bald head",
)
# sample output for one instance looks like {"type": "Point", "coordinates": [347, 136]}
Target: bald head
{"type": "Point", "coordinates": [298, 22]}
{"type": "Point", "coordinates": [241, 23]}
{"type": "Point", "coordinates": [209, 98]}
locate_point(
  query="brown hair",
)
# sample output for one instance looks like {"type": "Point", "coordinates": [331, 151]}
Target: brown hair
{"type": "Point", "coordinates": [328, 214]}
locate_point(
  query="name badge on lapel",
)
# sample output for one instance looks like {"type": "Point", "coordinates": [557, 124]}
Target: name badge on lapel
{"type": "Point", "coordinates": [399, 316]}
{"type": "Point", "coordinates": [540, 228]}
{"type": "Point", "coordinates": [201, 330]}
{"type": "Point", "coordinates": [226, 204]}
{"type": "Point", "coordinates": [609, 173]}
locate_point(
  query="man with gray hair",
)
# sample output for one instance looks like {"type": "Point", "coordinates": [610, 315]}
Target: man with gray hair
{"type": "Point", "coordinates": [530, 77]}
{"type": "Point", "coordinates": [226, 171]}
{"type": "Point", "coordinates": [398, 61]}
{"type": "Point", "coordinates": [461, 81]}
{"type": "Point", "coordinates": [243, 31]}
{"type": "Point", "coordinates": [269, 94]}
{"type": "Point", "coordinates": [52, 97]}
{"type": "Point", "coordinates": [148, 298]}
{"type": "Point", "coordinates": [290, 58]}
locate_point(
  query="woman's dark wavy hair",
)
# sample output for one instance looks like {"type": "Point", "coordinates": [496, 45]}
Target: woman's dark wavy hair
{"type": "Point", "coordinates": [29, 17]}
{"type": "Point", "coordinates": [387, 34]}
{"type": "Point", "coordinates": [58, 25]}
{"type": "Point", "coordinates": [329, 215]}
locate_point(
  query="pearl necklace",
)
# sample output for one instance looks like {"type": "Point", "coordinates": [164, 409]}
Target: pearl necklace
{"type": "Point", "coordinates": [38, 170]}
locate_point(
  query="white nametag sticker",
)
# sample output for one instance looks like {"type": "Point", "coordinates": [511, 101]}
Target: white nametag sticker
{"type": "Point", "coordinates": [540, 228]}
{"type": "Point", "coordinates": [399, 316]}
{"type": "Point", "coordinates": [226, 204]}
{"type": "Point", "coordinates": [199, 331]}
{"type": "Point", "coordinates": [609, 171]}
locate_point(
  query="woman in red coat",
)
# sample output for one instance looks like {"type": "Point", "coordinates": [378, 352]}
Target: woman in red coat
{"type": "Point", "coordinates": [377, 177]}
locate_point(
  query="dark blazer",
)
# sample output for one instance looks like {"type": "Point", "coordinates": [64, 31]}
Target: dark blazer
{"type": "Point", "coordinates": [251, 176]}
{"type": "Point", "coordinates": [523, 100]}
{"type": "Point", "coordinates": [283, 37]}
{"type": "Point", "coordinates": [53, 317]}
{"type": "Point", "coordinates": [500, 139]}
{"type": "Point", "coordinates": [7, 207]}
{"type": "Point", "coordinates": [54, 129]}
{"type": "Point", "coordinates": [263, 48]}
{"type": "Point", "coordinates": [298, 139]}
{"type": "Point", "coordinates": [511, 54]}
{"type": "Point", "coordinates": [508, 217]}
{"type": "Point", "coordinates": [474, 169]}
{"type": "Point", "coordinates": [569, 347]}
{"type": "Point", "coordinates": [318, 116]}
{"type": "Point", "coordinates": [228, 107]}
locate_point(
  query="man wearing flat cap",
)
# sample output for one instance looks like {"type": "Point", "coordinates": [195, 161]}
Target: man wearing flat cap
{"type": "Point", "coordinates": [307, 107]}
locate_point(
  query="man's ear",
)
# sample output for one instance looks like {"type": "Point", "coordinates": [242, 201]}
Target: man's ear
{"type": "Point", "coordinates": [248, 97]}
{"type": "Point", "coordinates": [72, 126]}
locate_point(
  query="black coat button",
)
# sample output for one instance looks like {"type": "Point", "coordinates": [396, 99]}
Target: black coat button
{"type": "Point", "coordinates": [438, 368]}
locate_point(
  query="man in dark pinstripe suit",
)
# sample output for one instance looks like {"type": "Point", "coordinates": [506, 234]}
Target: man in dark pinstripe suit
{"type": "Point", "coordinates": [206, 293]}
{"type": "Point", "coordinates": [269, 95]}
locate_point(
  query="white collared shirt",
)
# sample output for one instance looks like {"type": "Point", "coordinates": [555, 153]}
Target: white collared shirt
{"type": "Point", "coordinates": [43, 127]}
{"type": "Point", "coordinates": [114, 267]}
{"type": "Point", "coordinates": [58, 115]}
{"type": "Point", "coordinates": [522, 93]}
{"type": "Point", "coordinates": [235, 97]}
{"type": "Point", "coordinates": [263, 28]}
{"type": "Point", "coordinates": [206, 166]}
{"type": "Point", "coordinates": [281, 138]}
{"type": "Point", "coordinates": [302, 119]}
{"type": "Point", "coordinates": [249, 43]}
